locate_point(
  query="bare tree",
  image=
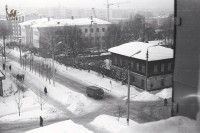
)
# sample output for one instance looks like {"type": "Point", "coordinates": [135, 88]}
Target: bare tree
{"type": "Point", "coordinates": [40, 99]}
{"type": "Point", "coordinates": [120, 111]}
{"type": "Point", "coordinates": [19, 101]}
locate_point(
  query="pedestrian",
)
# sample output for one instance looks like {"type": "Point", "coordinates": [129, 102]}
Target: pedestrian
{"type": "Point", "coordinates": [45, 90]}
{"type": "Point", "coordinates": [165, 102]}
{"type": "Point", "coordinates": [10, 67]}
{"type": "Point", "coordinates": [4, 66]}
{"type": "Point", "coordinates": [41, 121]}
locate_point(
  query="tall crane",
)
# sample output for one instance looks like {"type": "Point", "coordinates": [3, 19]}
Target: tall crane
{"type": "Point", "coordinates": [111, 4]}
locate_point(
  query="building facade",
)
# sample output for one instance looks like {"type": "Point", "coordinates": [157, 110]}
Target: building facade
{"type": "Point", "coordinates": [28, 32]}
{"type": "Point", "coordinates": [186, 90]}
{"type": "Point", "coordinates": [150, 74]}
{"type": "Point", "coordinates": [92, 30]}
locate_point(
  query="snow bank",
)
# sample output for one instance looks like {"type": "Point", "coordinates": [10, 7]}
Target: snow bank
{"type": "Point", "coordinates": [111, 123]}
{"type": "Point", "coordinates": [62, 127]}
{"type": "Point", "coordinates": [177, 124]}
{"type": "Point", "coordinates": [165, 93]}
{"type": "Point", "coordinates": [79, 104]}
{"type": "Point", "coordinates": [144, 96]}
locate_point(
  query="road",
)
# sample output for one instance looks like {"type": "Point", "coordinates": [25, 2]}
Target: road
{"type": "Point", "coordinates": [109, 106]}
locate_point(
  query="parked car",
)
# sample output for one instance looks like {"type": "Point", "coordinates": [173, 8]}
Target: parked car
{"type": "Point", "coordinates": [95, 92]}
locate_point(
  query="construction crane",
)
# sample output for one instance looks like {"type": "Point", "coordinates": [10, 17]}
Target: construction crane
{"type": "Point", "coordinates": [94, 12]}
{"type": "Point", "coordinates": [111, 4]}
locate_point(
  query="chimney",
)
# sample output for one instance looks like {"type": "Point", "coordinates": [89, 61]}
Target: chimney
{"type": "Point", "coordinates": [91, 17]}
{"type": "Point", "coordinates": [72, 17]}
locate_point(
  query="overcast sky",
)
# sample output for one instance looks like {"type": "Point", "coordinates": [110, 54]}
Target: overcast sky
{"type": "Point", "coordinates": [133, 4]}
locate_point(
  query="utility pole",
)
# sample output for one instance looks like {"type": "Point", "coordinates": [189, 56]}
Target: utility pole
{"type": "Point", "coordinates": [147, 57]}
{"type": "Point", "coordinates": [128, 95]}
{"type": "Point", "coordinates": [90, 30]}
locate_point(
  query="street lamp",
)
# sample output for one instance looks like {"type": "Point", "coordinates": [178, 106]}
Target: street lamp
{"type": "Point", "coordinates": [147, 57]}
{"type": "Point", "coordinates": [128, 97]}
{"type": "Point", "coordinates": [53, 63]}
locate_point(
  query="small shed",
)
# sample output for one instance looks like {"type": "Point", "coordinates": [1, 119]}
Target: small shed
{"type": "Point", "coordinates": [2, 77]}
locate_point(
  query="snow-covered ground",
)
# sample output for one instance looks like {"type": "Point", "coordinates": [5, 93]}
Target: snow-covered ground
{"type": "Point", "coordinates": [75, 102]}
{"type": "Point", "coordinates": [111, 124]}
{"type": "Point", "coordinates": [62, 127]}
{"type": "Point", "coordinates": [178, 124]}
{"type": "Point", "coordinates": [30, 109]}
{"type": "Point", "coordinates": [108, 123]}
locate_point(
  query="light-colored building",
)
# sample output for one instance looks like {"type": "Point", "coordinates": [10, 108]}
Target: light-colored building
{"type": "Point", "coordinates": [150, 65]}
{"type": "Point", "coordinates": [30, 33]}
{"type": "Point", "coordinates": [93, 29]}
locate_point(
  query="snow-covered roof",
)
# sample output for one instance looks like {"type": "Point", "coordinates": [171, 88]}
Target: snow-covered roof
{"type": "Point", "coordinates": [33, 22]}
{"type": "Point", "coordinates": [72, 22]}
{"type": "Point", "coordinates": [156, 52]}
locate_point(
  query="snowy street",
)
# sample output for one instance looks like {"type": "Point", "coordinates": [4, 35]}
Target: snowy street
{"type": "Point", "coordinates": [141, 111]}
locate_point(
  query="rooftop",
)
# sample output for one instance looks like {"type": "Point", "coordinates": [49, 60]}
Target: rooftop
{"type": "Point", "coordinates": [72, 22]}
{"type": "Point", "coordinates": [155, 51]}
{"type": "Point", "coordinates": [33, 22]}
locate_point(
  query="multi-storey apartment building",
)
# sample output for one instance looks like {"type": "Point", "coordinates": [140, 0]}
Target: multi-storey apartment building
{"type": "Point", "coordinates": [94, 30]}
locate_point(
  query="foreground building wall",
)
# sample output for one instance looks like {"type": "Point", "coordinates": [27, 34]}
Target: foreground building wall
{"type": "Point", "coordinates": [187, 39]}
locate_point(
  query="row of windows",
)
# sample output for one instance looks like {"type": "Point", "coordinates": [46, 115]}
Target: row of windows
{"type": "Point", "coordinates": [162, 82]}
{"type": "Point", "coordinates": [162, 69]}
{"type": "Point", "coordinates": [139, 67]}
{"type": "Point", "coordinates": [92, 30]}
{"type": "Point", "coordinates": [134, 66]}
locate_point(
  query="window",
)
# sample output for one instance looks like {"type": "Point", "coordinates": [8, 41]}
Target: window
{"type": "Point", "coordinates": [97, 29]}
{"type": "Point", "coordinates": [132, 65]}
{"type": "Point", "coordinates": [80, 30]}
{"type": "Point", "coordinates": [97, 38]}
{"type": "Point", "coordinates": [121, 62]}
{"type": "Point", "coordinates": [115, 60]}
{"type": "Point", "coordinates": [91, 30]}
{"type": "Point", "coordinates": [155, 69]}
{"type": "Point", "coordinates": [143, 68]}
{"type": "Point", "coordinates": [86, 30]}
{"type": "Point", "coordinates": [103, 38]}
{"type": "Point", "coordinates": [162, 67]}
{"type": "Point", "coordinates": [169, 66]}
{"type": "Point", "coordinates": [162, 82]}
{"type": "Point", "coordinates": [133, 79]}
{"type": "Point", "coordinates": [137, 66]}
{"type": "Point", "coordinates": [103, 29]}
{"type": "Point", "coordinates": [142, 83]}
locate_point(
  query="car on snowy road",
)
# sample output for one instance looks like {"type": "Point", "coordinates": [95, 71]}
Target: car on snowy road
{"type": "Point", "coordinates": [95, 92]}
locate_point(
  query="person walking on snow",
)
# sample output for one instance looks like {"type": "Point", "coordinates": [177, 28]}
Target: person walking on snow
{"type": "Point", "coordinates": [41, 121]}
{"type": "Point", "coordinates": [45, 90]}
{"type": "Point", "coordinates": [10, 67]}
